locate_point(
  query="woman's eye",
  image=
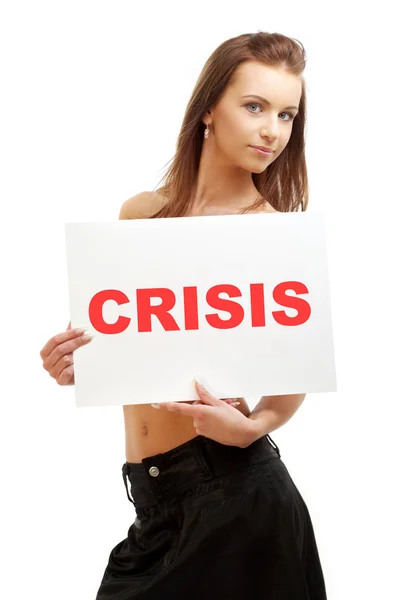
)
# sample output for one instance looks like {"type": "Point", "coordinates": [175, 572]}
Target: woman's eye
{"type": "Point", "coordinates": [253, 111]}
{"type": "Point", "coordinates": [290, 115]}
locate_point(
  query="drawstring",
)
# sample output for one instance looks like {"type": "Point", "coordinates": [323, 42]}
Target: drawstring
{"type": "Point", "coordinates": [274, 445]}
{"type": "Point", "coordinates": [125, 473]}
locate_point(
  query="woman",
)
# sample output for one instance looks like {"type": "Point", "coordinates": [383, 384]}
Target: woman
{"type": "Point", "coordinates": [218, 514]}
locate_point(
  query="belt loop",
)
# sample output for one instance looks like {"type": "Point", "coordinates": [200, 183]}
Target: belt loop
{"type": "Point", "coordinates": [125, 473]}
{"type": "Point", "coordinates": [202, 454]}
{"type": "Point", "coordinates": [274, 445]}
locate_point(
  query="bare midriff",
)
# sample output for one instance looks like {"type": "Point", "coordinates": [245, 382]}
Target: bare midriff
{"type": "Point", "coordinates": [150, 431]}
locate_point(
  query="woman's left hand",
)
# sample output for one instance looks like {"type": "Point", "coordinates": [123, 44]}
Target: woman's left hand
{"type": "Point", "coordinates": [214, 418]}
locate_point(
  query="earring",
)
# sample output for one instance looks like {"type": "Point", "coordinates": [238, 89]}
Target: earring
{"type": "Point", "coordinates": [206, 132]}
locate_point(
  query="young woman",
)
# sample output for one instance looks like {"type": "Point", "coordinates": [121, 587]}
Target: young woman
{"type": "Point", "coordinates": [217, 513]}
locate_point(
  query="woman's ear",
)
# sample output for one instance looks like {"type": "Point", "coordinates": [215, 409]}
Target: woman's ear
{"type": "Point", "coordinates": [206, 116]}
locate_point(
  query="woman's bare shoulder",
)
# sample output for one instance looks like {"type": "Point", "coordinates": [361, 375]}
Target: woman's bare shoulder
{"type": "Point", "coordinates": [143, 205]}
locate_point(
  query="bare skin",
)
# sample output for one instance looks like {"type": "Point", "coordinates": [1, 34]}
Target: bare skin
{"type": "Point", "coordinates": [224, 185]}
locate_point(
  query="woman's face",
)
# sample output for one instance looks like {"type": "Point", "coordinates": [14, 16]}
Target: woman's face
{"type": "Point", "coordinates": [239, 122]}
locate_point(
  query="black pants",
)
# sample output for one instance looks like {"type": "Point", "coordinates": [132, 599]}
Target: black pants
{"type": "Point", "coordinates": [215, 522]}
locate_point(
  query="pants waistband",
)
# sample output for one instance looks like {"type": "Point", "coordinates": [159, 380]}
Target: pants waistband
{"type": "Point", "coordinates": [162, 476]}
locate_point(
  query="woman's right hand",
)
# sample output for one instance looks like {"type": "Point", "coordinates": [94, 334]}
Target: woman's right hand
{"type": "Point", "coordinates": [57, 354]}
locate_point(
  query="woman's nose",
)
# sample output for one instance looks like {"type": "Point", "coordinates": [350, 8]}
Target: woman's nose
{"type": "Point", "coordinates": [271, 131]}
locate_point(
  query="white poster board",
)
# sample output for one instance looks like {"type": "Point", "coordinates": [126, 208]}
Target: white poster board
{"type": "Point", "coordinates": [244, 304]}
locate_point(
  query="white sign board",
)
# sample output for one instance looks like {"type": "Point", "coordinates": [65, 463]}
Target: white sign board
{"type": "Point", "coordinates": [241, 301]}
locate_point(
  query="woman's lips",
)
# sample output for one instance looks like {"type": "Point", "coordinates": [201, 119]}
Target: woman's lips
{"type": "Point", "coordinates": [262, 152]}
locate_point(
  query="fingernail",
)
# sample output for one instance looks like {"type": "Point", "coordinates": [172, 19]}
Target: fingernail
{"type": "Point", "coordinates": [156, 405]}
{"type": "Point", "coordinates": [200, 381]}
{"type": "Point", "coordinates": [80, 330]}
{"type": "Point", "coordinates": [235, 403]}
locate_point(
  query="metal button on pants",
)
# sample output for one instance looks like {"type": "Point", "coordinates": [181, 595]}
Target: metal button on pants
{"type": "Point", "coordinates": [154, 471]}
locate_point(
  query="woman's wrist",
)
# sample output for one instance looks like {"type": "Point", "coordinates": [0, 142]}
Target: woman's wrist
{"type": "Point", "coordinates": [253, 431]}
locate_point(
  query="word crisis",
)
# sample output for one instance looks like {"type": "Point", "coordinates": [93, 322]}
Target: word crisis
{"type": "Point", "coordinates": [146, 310]}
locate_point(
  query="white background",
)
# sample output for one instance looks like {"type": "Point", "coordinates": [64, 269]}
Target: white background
{"type": "Point", "coordinates": [93, 95]}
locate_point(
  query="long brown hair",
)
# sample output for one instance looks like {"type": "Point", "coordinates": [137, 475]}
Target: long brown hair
{"type": "Point", "coordinates": [284, 184]}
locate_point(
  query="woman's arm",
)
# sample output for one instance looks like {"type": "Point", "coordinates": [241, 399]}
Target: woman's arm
{"type": "Point", "coordinates": [271, 413]}
{"type": "Point", "coordinates": [217, 420]}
